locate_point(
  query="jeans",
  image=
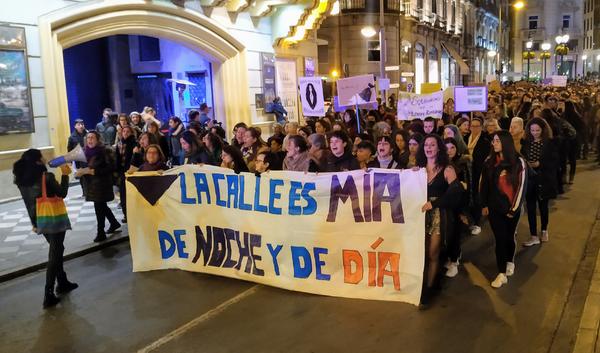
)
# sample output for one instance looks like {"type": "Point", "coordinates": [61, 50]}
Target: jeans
{"type": "Point", "coordinates": [533, 199]}
{"type": "Point", "coordinates": [103, 213]}
{"type": "Point", "coordinates": [54, 270]}
{"type": "Point", "coordinates": [505, 233]}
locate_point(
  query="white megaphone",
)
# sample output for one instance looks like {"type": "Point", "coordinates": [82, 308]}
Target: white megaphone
{"type": "Point", "coordinates": [76, 154]}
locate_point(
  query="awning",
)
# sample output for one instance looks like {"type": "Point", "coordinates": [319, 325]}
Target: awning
{"type": "Point", "coordinates": [464, 68]}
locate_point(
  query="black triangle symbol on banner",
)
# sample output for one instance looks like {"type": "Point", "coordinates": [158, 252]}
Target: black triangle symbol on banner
{"type": "Point", "coordinates": [152, 187]}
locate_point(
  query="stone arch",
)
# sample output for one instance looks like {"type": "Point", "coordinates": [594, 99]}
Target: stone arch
{"type": "Point", "coordinates": [81, 23]}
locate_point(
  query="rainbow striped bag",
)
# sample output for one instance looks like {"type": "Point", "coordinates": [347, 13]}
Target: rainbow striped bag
{"type": "Point", "coordinates": [51, 213]}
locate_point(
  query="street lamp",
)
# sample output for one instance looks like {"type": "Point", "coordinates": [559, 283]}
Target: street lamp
{"type": "Point", "coordinates": [369, 32]}
{"type": "Point", "coordinates": [517, 5]}
{"type": "Point", "coordinates": [562, 50]}
{"type": "Point", "coordinates": [528, 55]}
{"type": "Point", "coordinates": [545, 55]}
{"type": "Point", "coordinates": [584, 59]}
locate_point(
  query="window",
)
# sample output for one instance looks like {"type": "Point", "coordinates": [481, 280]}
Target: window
{"type": "Point", "coordinates": [323, 53]}
{"type": "Point", "coordinates": [533, 22]}
{"type": "Point", "coordinates": [373, 52]}
{"type": "Point", "coordinates": [433, 6]}
{"type": "Point", "coordinates": [566, 21]}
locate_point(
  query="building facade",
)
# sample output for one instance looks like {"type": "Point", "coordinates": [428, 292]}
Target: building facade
{"type": "Point", "coordinates": [255, 51]}
{"type": "Point", "coordinates": [542, 22]}
{"type": "Point", "coordinates": [591, 37]}
{"type": "Point", "coordinates": [422, 42]}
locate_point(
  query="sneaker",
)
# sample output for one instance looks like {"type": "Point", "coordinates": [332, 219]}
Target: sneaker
{"type": "Point", "coordinates": [500, 280]}
{"type": "Point", "coordinates": [100, 238]}
{"type": "Point", "coordinates": [544, 235]}
{"type": "Point", "coordinates": [452, 270]}
{"type": "Point", "coordinates": [475, 230]}
{"type": "Point", "coordinates": [533, 240]}
{"type": "Point", "coordinates": [510, 269]}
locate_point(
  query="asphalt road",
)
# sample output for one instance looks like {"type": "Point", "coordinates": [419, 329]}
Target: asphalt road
{"type": "Point", "coordinates": [115, 310]}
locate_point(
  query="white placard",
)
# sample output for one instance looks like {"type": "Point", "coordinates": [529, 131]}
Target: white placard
{"type": "Point", "coordinates": [559, 81]}
{"type": "Point", "coordinates": [420, 106]}
{"type": "Point", "coordinates": [470, 99]}
{"type": "Point", "coordinates": [361, 88]}
{"type": "Point", "coordinates": [287, 87]}
{"type": "Point", "coordinates": [311, 96]}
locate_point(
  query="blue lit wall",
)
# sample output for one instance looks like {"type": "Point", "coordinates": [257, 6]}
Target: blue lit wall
{"type": "Point", "coordinates": [86, 75]}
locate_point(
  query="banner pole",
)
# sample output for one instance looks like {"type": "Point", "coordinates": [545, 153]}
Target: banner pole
{"type": "Point", "coordinates": [357, 114]}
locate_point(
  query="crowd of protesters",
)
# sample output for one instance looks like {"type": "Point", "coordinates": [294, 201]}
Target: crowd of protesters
{"type": "Point", "coordinates": [523, 150]}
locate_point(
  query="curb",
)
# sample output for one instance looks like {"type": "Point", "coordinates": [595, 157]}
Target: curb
{"type": "Point", "coordinates": [4, 277]}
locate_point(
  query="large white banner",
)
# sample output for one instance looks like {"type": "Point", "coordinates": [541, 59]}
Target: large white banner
{"type": "Point", "coordinates": [287, 87]}
{"type": "Point", "coordinates": [353, 234]}
{"type": "Point", "coordinates": [419, 106]}
{"type": "Point", "coordinates": [311, 95]}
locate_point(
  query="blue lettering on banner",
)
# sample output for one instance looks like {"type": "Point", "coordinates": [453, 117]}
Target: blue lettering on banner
{"type": "Point", "coordinates": [304, 269]}
{"type": "Point", "coordinates": [311, 203]}
{"type": "Point", "coordinates": [202, 187]}
{"type": "Point", "coordinates": [216, 177]}
{"type": "Point", "coordinates": [274, 252]}
{"type": "Point", "coordinates": [274, 195]}
{"type": "Point", "coordinates": [295, 210]}
{"type": "Point", "coordinates": [257, 206]}
{"type": "Point", "coordinates": [167, 244]}
{"type": "Point", "coordinates": [182, 185]}
{"type": "Point", "coordinates": [243, 206]}
{"type": "Point", "coordinates": [319, 264]}
{"type": "Point", "coordinates": [232, 190]}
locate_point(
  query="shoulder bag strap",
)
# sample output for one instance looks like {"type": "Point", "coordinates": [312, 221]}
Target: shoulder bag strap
{"type": "Point", "coordinates": [44, 186]}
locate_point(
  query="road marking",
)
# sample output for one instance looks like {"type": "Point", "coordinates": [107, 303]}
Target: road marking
{"type": "Point", "coordinates": [200, 319]}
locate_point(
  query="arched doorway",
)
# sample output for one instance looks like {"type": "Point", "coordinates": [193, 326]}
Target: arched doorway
{"type": "Point", "coordinates": [78, 24]}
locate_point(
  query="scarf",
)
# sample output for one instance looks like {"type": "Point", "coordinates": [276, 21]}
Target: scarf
{"type": "Point", "coordinates": [472, 143]}
{"type": "Point", "coordinates": [92, 152]}
{"type": "Point", "coordinates": [299, 163]}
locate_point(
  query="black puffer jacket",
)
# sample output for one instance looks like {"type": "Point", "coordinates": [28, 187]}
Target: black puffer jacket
{"type": "Point", "coordinates": [100, 185]}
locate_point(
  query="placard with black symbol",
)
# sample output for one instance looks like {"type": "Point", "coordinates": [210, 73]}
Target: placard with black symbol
{"type": "Point", "coordinates": [311, 95]}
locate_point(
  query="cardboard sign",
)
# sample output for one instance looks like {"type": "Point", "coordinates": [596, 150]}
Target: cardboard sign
{"type": "Point", "coordinates": [285, 229]}
{"type": "Point", "coordinates": [430, 87]}
{"type": "Point", "coordinates": [494, 86]}
{"type": "Point", "coordinates": [311, 95]}
{"type": "Point", "coordinates": [356, 90]}
{"type": "Point", "coordinates": [419, 106]}
{"type": "Point", "coordinates": [559, 81]}
{"type": "Point", "coordinates": [470, 99]}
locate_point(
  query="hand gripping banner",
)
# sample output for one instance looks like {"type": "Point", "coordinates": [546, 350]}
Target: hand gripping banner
{"type": "Point", "coordinates": [356, 234]}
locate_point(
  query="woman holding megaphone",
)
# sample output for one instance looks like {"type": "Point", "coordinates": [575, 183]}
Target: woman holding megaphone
{"type": "Point", "coordinates": [98, 178]}
{"type": "Point", "coordinates": [43, 196]}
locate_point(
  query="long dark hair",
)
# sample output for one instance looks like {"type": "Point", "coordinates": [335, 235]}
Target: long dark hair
{"type": "Point", "coordinates": [191, 140]}
{"type": "Point", "coordinates": [28, 170]}
{"type": "Point", "coordinates": [510, 157]}
{"type": "Point", "coordinates": [441, 160]}
{"type": "Point", "coordinates": [239, 165]}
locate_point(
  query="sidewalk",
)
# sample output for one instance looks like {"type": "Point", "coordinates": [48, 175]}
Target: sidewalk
{"type": "Point", "coordinates": [23, 251]}
{"type": "Point", "coordinates": [588, 334]}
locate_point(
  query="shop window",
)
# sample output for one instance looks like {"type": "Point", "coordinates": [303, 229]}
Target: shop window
{"type": "Point", "coordinates": [149, 48]}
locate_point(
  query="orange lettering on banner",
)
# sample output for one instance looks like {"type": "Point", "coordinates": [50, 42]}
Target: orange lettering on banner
{"type": "Point", "coordinates": [393, 259]}
{"type": "Point", "coordinates": [372, 268]}
{"type": "Point", "coordinates": [349, 257]}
